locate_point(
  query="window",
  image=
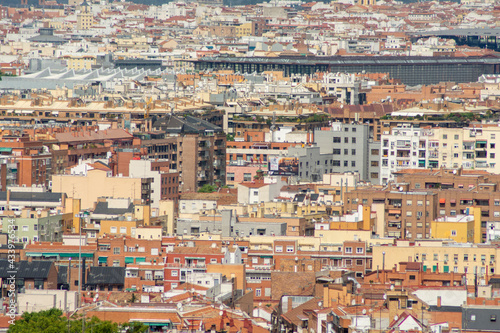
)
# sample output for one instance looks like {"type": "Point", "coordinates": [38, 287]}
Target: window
{"type": "Point", "coordinates": [116, 263]}
{"type": "Point", "coordinates": [257, 292]}
{"type": "Point", "coordinates": [348, 262]}
{"type": "Point", "coordinates": [247, 177]}
{"type": "Point", "coordinates": [359, 262]}
{"type": "Point", "coordinates": [435, 257]}
{"type": "Point", "coordinates": [116, 250]}
{"type": "Point", "coordinates": [346, 151]}
{"type": "Point", "coordinates": [26, 228]}
{"type": "Point", "coordinates": [154, 251]}
{"type": "Point", "coordinates": [453, 233]}
{"type": "Point", "coordinates": [359, 250]}
{"type": "Point", "coordinates": [408, 202]}
{"type": "Point", "coordinates": [289, 248]}
{"type": "Point", "coordinates": [353, 163]}
{"type": "Point", "coordinates": [445, 136]}
{"type": "Point", "coordinates": [175, 273]}
{"type": "Point", "coordinates": [279, 248]}
{"type": "Point", "coordinates": [255, 260]}
{"type": "Point", "coordinates": [336, 139]}
{"type": "Point", "coordinates": [230, 176]}
{"type": "Point", "coordinates": [123, 230]}
{"type": "Point", "coordinates": [346, 163]}
{"type": "Point", "coordinates": [112, 230]}
{"type": "Point", "coordinates": [456, 136]}
{"type": "Point", "coordinates": [346, 140]}
{"type": "Point", "coordinates": [213, 261]}
{"type": "Point", "coordinates": [348, 250]}
{"type": "Point", "coordinates": [353, 140]}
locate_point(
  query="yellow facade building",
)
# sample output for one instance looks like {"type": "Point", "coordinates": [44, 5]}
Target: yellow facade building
{"type": "Point", "coordinates": [80, 62]}
{"type": "Point", "coordinates": [84, 19]}
{"type": "Point", "coordinates": [440, 256]}
{"type": "Point", "coordinates": [118, 228]}
{"type": "Point", "coordinates": [96, 184]}
{"type": "Point", "coordinates": [245, 29]}
{"type": "Point", "coordinates": [461, 228]}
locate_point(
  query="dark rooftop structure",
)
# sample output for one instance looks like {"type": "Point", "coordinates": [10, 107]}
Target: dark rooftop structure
{"type": "Point", "coordinates": [32, 197]}
{"type": "Point", "coordinates": [110, 277]}
{"type": "Point", "coordinates": [103, 208]}
{"type": "Point", "coordinates": [187, 125]}
{"type": "Point", "coordinates": [47, 36]}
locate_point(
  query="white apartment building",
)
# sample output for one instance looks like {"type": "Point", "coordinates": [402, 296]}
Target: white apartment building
{"type": "Point", "coordinates": [407, 147]}
{"type": "Point", "coordinates": [468, 148]}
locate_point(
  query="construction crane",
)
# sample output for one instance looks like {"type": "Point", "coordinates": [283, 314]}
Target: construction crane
{"type": "Point", "coordinates": [147, 107]}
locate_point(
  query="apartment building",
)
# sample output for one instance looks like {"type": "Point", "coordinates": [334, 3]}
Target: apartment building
{"type": "Point", "coordinates": [407, 147]}
{"type": "Point", "coordinates": [164, 182]}
{"type": "Point", "coordinates": [442, 257]}
{"type": "Point", "coordinates": [195, 148]}
{"type": "Point", "coordinates": [26, 160]}
{"type": "Point", "coordinates": [406, 214]}
{"type": "Point", "coordinates": [352, 148]}
{"type": "Point", "coordinates": [467, 148]}
{"type": "Point", "coordinates": [456, 191]}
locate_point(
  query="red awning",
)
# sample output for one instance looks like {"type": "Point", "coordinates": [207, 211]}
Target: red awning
{"type": "Point", "coordinates": [442, 200]}
{"type": "Point", "coordinates": [453, 201]}
{"type": "Point", "coordinates": [394, 211]}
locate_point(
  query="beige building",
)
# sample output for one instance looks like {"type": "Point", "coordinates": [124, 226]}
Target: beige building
{"type": "Point", "coordinates": [470, 148]}
{"type": "Point", "coordinates": [95, 185]}
{"type": "Point", "coordinates": [439, 256]}
{"type": "Point", "coordinates": [80, 62]}
{"type": "Point", "coordinates": [84, 19]}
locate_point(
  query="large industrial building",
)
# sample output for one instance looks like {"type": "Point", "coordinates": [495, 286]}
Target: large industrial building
{"type": "Point", "coordinates": [410, 70]}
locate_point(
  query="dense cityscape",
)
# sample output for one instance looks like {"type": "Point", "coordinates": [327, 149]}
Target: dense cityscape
{"type": "Point", "coordinates": [276, 167]}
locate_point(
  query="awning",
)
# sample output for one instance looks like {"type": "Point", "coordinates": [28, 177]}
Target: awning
{"type": "Point", "coordinates": [442, 200]}
{"type": "Point", "coordinates": [336, 258]}
{"type": "Point", "coordinates": [482, 142]}
{"type": "Point", "coordinates": [270, 257]}
{"type": "Point", "coordinates": [453, 201]}
{"type": "Point", "coordinates": [140, 259]}
{"type": "Point", "coordinates": [5, 150]}
{"type": "Point", "coordinates": [466, 199]}
{"type": "Point", "coordinates": [31, 254]}
{"type": "Point", "coordinates": [129, 260]}
{"type": "Point", "coordinates": [394, 211]}
{"type": "Point", "coordinates": [72, 255]}
{"type": "Point", "coordinates": [131, 289]}
{"type": "Point", "coordinates": [195, 258]}
{"type": "Point", "coordinates": [103, 260]}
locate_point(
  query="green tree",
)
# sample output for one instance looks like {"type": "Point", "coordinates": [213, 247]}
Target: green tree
{"type": "Point", "coordinates": [229, 137]}
{"type": "Point", "coordinates": [53, 321]}
{"type": "Point", "coordinates": [49, 321]}
{"type": "Point", "coordinates": [134, 327]}
{"type": "Point", "coordinates": [207, 188]}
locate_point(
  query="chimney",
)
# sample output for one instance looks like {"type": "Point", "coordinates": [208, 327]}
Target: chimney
{"type": "Point", "coordinates": [30, 259]}
{"type": "Point", "coordinates": [439, 301]}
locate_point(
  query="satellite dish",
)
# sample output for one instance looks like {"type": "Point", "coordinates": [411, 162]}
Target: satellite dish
{"type": "Point", "coordinates": [392, 287]}
{"type": "Point", "coordinates": [395, 318]}
{"type": "Point", "coordinates": [364, 311]}
{"type": "Point", "coordinates": [320, 304]}
{"type": "Point", "coordinates": [353, 302]}
{"type": "Point", "coordinates": [221, 313]}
